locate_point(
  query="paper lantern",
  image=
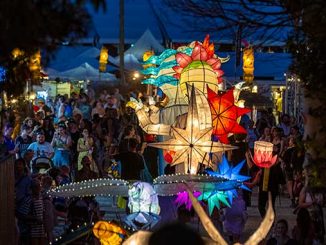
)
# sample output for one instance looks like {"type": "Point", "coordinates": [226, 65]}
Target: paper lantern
{"type": "Point", "coordinates": [248, 64]}
{"type": "Point", "coordinates": [103, 60]}
{"type": "Point", "coordinates": [17, 53]}
{"type": "Point", "coordinates": [192, 144]}
{"type": "Point", "coordinates": [35, 64]}
{"type": "Point", "coordinates": [109, 233]}
{"type": "Point", "coordinates": [225, 114]}
{"type": "Point", "coordinates": [263, 154]}
{"type": "Point", "coordinates": [226, 191]}
{"type": "Point", "coordinates": [147, 54]}
{"type": "Point", "coordinates": [183, 199]}
{"type": "Point", "coordinates": [168, 156]}
{"type": "Point", "coordinates": [143, 198]}
{"type": "Point", "coordinates": [200, 69]}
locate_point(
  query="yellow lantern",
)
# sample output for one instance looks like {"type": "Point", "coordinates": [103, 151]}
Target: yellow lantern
{"type": "Point", "coordinates": [248, 64]}
{"type": "Point", "coordinates": [147, 54]}
{"type": "Point", "coordinates": [35, 64]}
{"type": "Point", "coordinates": [103, 59]}
{"type": "Point", "coordinates": [109, 233]}
{"type": "Point", "coordinates": [17, 52]}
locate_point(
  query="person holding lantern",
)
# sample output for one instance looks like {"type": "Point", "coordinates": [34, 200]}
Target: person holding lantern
{"type": "Point", "coordinates": [271, 174]}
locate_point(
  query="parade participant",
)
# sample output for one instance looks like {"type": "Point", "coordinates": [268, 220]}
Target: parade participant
{"type": "Point", "coordinates": [61, 142]}
{"type": "Point", "coordinates": [131, 162]}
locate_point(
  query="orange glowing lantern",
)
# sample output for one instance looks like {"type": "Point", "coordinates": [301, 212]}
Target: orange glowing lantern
{"type": "Point", "coordinates": [248, 64]}
{"type": "Point", "coordinates": [35, 64]}
{"type": "Point", "coordinates": [225, 114]}
{"type": "Point", "coordinates": [109, 233]}
{"type": "Point", "coordinates": [168, 156]}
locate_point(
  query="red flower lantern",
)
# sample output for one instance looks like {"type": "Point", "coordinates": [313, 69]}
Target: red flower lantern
{"type": "Point", "coordinates": [168, 156]}
{"type": "Point", "coordinates": [263, 154]}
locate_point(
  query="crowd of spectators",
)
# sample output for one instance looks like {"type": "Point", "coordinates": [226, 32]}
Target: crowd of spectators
{"type": "Point", "coordinates": [84, 136]}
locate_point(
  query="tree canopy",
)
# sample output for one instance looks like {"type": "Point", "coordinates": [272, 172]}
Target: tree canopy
{"type": "Point", "coordinates": [32, 25]}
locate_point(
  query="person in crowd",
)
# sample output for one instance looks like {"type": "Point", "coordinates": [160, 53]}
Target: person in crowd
{"type": "Point", "coordinates": [280, 236]}
{"type": "Point", "coordinates": [131, 162]}
{"type": "Point", "coordinates": [119, 98]}
{"type": "Point", "coordinates": [312, 202]}
{"type": "Point", "coordinates": [304, 231]}
{"type": "Point", "coordinates": [60, 109]}
{"type": "Point", "coordinates": [270, 117]}
{"type": "Point", "coordinates": [43, 107]}
{"type": "Point", "coordinates": [274, 180]}
{"type": "Point", "coordinates": [64, 175]}
{"type": "Point", "coordinates": [278, 142]}
{"type": "Point", "coordinates": [48, 128]}
{"type": "Point", "coordinates": [75, 135]}
{"type": "Point", "coordinates": [98, 109]}
{"type": "Point", "coordinates": [11, 149]}
{"type": "Point", "coordinates": [129, 133]}
{"type": "Point", "coordinates": [41, 148]}
{"type": "Point", "coordinates": [49, 210]}
{"type": "Point", "coordinates": [22, 142]}
{"type": "Point", "coordinates": [239, 155]}
{"type": "Point", "coordinates": [285, 124]}
{"type": "Point", "coordinates": [290, 162]}
{"type": "Point", "coordinates": [262, 122]}
{"type": "Point", "coordinates": [22, 182]}
{"type": "Point", "coordinates": [295, 133]}
{"type": "Point", "coordinates": [28, 155]}
{"type": "Point", "coordinates": [251, 136]}
{"type": "Point", "coordinates": [234, 218]}
{"type": "Point", "coordinates": [266, 136]}
{"type": "Point", "coordinates": [85, 107]}
{"type": "Point", "coordinates": [86, 172]}
{"type": "Point", "coordinates": [84, 147]}
{"type": "Point", "coordinates": [30, 216]}
{"type": "Point", "coordinates": [61, 142]}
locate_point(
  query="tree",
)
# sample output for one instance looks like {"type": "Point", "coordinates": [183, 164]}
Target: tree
{"type": "Point", "coordinates": [32, 25]}
{"type": "Point", "coordinates": [303, 23]}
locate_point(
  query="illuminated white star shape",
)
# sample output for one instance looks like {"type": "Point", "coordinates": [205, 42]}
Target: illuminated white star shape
{"type": "Point", "coordinates": [192, 144]}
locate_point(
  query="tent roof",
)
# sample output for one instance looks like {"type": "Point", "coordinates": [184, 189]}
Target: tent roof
{"type": "Point", "coordinates": [83, 72]}
{"type": "Point", "coordinates": [131, 62]}
{"type": "Point", "coordinates": [69, 57]}
{"type": "Point", "coordinates": [146, 42]}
